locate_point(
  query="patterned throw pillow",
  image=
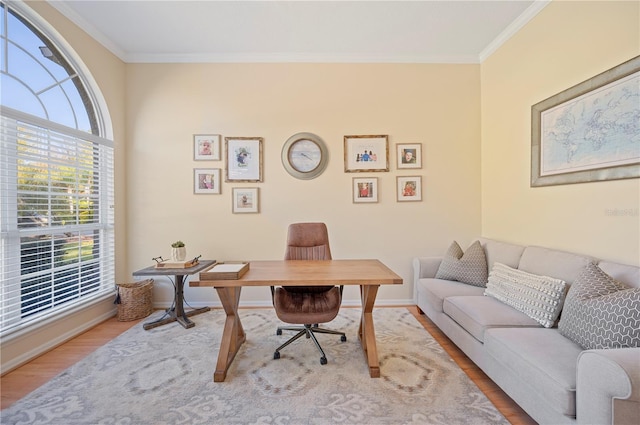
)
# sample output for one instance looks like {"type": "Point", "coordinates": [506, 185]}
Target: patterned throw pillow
{"type": "Point", "coordinates": [469, 267]}
{"type": "Point", "coordinates": [539, 297]}
{"type": "Point", "coordinates": [601, 312]}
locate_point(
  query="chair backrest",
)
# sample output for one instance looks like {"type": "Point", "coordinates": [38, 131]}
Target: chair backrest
{"type": "Point", "coordinates": [308, 241]}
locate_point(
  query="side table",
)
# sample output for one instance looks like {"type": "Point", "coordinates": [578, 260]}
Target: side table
{"type": "Point", "coordinates": [177, 311]}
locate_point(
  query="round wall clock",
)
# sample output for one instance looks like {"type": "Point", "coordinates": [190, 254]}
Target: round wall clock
{"type": "Point", "coordinates": [305, 156]}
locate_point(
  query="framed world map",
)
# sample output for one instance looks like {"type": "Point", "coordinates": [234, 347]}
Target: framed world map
{"type": "Point", "coordinates": [589, 132]}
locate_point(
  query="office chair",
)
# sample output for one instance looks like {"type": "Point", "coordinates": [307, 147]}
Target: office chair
{"type": "Point", "coordinates": [307, 305]}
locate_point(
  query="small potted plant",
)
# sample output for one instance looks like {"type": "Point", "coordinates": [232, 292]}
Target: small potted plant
{"type": "Point", "coordinates": [178, 251]}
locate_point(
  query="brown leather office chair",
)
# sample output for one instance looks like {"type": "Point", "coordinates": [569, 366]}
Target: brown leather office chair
{"type": "Point", "coordinates": [307, 305]}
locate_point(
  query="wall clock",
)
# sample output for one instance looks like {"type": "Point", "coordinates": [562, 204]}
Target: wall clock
{"type": "Point", "coordinates": [305, 156]}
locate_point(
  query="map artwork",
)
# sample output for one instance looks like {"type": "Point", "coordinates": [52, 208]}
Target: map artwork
{"type": "Point", "coordinates": [596, 130]}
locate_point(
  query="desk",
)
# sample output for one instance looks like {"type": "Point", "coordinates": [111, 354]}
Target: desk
{"type": "Point", "coordinates": [368, 274]}
{"type": "Point", "coordinates": [176, 312]}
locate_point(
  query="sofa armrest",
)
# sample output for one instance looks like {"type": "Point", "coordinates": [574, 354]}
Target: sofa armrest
{"type": "Point", "coordinates": [425, 267]}
{"type": "Point", "coordinates": [608, 386]}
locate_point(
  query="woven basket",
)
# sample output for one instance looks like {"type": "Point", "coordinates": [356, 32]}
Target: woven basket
{"type": "Point", "coordinates": [134, 300]}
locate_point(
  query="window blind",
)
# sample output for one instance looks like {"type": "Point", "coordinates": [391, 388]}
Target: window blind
{"type": "Point", "coordinates": [56, 219]}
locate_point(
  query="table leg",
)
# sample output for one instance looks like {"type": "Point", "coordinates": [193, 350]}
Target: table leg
{"type": "Point", "coordinates": [233, 334]}
{"type": "Point", "coordinates": [366, 331]}
{"type": "Point", "coordinates": [177, 313]}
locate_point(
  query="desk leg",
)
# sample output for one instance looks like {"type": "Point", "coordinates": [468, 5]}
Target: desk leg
{"type": "Point", "coordinates": [233, 334]}
{"type": "Point", "coordinates": [366, 332]}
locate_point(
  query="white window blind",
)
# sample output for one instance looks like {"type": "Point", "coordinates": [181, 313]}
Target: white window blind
{"type": "Point", "coordinates": [56, 218]}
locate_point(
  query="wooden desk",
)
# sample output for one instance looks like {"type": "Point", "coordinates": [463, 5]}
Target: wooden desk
{"type": "Point", "coordinates": [368, 274]}
{"type": "Point", "coordinates": [177, 311]}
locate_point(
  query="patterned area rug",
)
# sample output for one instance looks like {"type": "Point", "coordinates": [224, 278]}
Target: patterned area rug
{"type": "Point", "coordinates": [165, 376]}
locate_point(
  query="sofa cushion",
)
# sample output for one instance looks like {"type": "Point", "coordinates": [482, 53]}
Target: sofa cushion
{"type": "Point", "coordinates": [540, 357]}
{"type": "Point", "coordinates": [601, 312]}
{"type": "Point", "coordinates": [539, 297]}
{"type": "Point", "coordinates": [501, 252]}
{"type": "Point", "coordinates": [550, 262]}
{"type": "Point", "coordinates": [436, 290]}
{"type": "Point", "coordinates": [629, 275]}
{"type": "Point", "coordinates": [468, 267]}
{"type": "Point", "coordinates": [476, 314]}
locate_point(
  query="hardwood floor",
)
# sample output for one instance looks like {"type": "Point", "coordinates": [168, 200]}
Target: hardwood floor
{"type": "Point", "coordinates": [502, 401]}
{"type": "Point", "coordinates": [21, 381]}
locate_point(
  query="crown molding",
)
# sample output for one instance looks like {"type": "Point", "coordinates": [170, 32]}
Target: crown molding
{"type": "Point", "coordinates": [294, 58]}
{"type": "Point", "coordinates": [513, 28]}
{"type": "Point", "coordinates": [94, 33]}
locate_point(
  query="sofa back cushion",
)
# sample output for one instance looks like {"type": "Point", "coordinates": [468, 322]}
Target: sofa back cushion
{"type": "Point", "coordinates": [553, 263]}
{"type": "Point", "coordinates": [501, 252]}
{"type": "Point", "coordinates": [629, 275]}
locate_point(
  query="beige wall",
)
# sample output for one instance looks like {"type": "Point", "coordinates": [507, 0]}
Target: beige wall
{"type": "Point", "coordinates": [567, 43]}
{"type": "Point", "coordinates": [436, 105]}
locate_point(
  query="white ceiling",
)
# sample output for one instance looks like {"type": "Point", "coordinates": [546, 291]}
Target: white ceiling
{"type": "Point", "coordinates": [443, 31]}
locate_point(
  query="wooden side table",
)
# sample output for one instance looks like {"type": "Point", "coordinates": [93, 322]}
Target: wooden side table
{"type": "Point", "coordinates": [177, 311]}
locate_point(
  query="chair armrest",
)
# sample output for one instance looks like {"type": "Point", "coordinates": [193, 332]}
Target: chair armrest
{"type": "Point", "coordinates": [608, 386]}
{"type": "Point", "coordinates": [425, 267]}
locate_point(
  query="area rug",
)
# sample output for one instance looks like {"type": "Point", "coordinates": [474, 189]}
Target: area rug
{"type": "Point", "coordinates": [165, 376]}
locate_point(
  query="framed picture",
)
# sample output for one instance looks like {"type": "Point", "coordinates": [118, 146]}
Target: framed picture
{"type": "Point", "coordinates": [206, 147]}
{"type": "Point", "coordinates": [409, 155]}
{"type": "Point", "coordinates": [365, 189]}
{"type": "Point", "coordinates": [244, 159]}
{"type": "Point", "coordinates": [245, 200]}
{"type": "Point", "coordinates": [409, 188]}
{"type": "Point", "coordinates": [206, 180]}
{"type": "Point", "coordinates": [586, 133]}
{"type": "Point", "coordinates": [366, 153]}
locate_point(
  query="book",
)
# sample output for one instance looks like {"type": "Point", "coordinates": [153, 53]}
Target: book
{"type": "Point", "coordinates": [225, 271]}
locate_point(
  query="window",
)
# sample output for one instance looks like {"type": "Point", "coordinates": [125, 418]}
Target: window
{"type": "Point", "coordinates": [56, 180]}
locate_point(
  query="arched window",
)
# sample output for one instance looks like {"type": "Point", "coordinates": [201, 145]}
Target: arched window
{"type": "Point", "coordinates": [56, 177]}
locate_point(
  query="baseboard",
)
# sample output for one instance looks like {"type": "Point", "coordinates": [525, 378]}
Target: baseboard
{"type": "Point", "coordinates": [267, 304]}
{"type": "Point", "coordinates": [49, 345]}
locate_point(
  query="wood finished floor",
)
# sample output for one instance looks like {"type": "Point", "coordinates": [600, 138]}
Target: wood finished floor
{"type": "Point", "coordinates": [21, 381]}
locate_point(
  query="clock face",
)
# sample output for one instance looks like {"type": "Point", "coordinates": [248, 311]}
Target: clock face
{"type": "Point", "coordinates": [305, 155]}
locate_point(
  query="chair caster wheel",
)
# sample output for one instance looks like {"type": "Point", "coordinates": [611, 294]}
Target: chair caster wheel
{"type": "Point", "coordinates": [279, 332]}
{"type": "Point", "coordinates": [276, 355]}
{"type": "Point", "coordinates": [323, 360]}
{"type": "Point", "coordinates": [343, 338]}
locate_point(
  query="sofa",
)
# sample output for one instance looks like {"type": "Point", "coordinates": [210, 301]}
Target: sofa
{"type": "Point", "coordinates": [555, 379]}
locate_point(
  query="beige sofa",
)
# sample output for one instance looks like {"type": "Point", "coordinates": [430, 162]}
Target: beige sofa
{"type": "Point", "coordinates": [551, 377]}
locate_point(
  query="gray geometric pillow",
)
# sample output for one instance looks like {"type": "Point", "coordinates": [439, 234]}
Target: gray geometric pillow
{"type": "Point", "coordinates": [600, 312]}
{"type": "Point", "coordinates": [469, 267]}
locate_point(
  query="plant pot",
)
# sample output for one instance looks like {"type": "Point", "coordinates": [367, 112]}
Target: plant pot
{"type": "Point", "coordinates": [178, 254]}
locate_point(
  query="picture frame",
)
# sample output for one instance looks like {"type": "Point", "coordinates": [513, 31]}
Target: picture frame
{"type": "Point", "coordinates": [244, 159]}
{"type": "Point", "coordinates": [409, 188]}
{"type": "Point", "coordinates": [206, 147]}
{"type": "Point", "coordinates": [245, 200]}
{"type": "Point", "coordinates": [582, 134]}
{"type": "Point", "coordinates": [409, 155]}
{"type": "Point", "coordinates": [365, 190]}
{"type": "Point", "coordinates": [206, 181]}
{"type": "Point", "coordinates": [366, 153]}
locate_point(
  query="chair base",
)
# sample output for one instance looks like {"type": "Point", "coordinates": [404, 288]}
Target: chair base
{"type": "Point", "coordinates": [308, 331]}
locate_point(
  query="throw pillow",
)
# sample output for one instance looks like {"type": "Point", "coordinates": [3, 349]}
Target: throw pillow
{"type": "Point", "coordinates": [539, 297]}
{"type": "Point", "coordinates": [601, 312]}
{"type": "Point", "coordinates": [468, 267]}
